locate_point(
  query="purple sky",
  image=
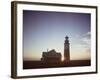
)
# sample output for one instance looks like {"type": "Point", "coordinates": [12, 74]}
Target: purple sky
{"type": "Point", "coordinates": [44, 30]}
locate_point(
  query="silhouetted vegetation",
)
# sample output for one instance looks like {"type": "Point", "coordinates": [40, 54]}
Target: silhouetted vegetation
{"type": "Point", "coordinates": [40, 64]}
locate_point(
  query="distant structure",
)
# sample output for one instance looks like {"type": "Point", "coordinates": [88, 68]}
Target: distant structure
{"type": "Point", "coordinates": [51, 57]}
{"type": "Point", "coordinates": [66, 50]}
{"type": "Point", "coordinates": [55, 57]}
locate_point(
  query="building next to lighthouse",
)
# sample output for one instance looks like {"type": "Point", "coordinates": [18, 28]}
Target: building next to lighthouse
{"type": "Point", "coordinates": [53, 57]}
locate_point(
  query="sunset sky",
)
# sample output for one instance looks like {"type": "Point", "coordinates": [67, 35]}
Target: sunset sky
{"type": "Point", "coordinates": [44, 30]}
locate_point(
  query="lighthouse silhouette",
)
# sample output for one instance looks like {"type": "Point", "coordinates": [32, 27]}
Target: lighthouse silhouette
{"type": "Point", "coordinates": [66, 50]}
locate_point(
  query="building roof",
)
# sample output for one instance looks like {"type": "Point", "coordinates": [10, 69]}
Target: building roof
{"type": "Point", "coordinates": [51, 53]}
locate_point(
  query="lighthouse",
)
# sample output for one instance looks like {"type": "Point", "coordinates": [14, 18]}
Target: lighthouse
{"type": "Point", "coordinates": [66, 50]}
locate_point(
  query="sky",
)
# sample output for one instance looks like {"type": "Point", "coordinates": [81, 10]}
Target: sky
{"type": "Point", "coordinates": [44, 30]}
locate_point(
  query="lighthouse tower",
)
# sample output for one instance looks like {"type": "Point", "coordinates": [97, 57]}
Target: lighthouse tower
{"type": "Point", "coordinates": [66, 50]}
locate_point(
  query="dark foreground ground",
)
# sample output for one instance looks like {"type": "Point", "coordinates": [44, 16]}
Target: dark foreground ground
{"type": "Point", "coordinates": [40, 64]}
